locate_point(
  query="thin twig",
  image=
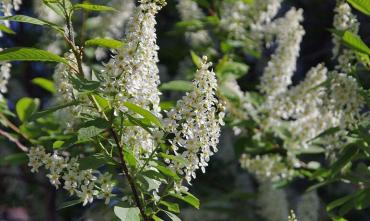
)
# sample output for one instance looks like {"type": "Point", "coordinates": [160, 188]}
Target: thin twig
{"type": "Point", "coordinates": [14, 140]}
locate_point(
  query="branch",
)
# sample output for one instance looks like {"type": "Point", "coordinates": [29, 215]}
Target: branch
{"type": "Point", "coordinates": [14, 140]}
{"type": "Point", "coordinates": [127, 174]}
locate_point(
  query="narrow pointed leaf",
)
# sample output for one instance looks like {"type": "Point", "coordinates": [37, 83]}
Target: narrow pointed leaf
{"type": "Point", "coordinates": [29, 54]}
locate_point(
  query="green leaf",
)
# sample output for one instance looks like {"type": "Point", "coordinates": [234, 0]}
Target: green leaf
{"type": "Point", "coordinates": [84, 85]}
{"type": "Point", "coordinates": [69, 204]}
{"type": "Point", "coordinates": [196, 59]}
{"type": "Point", "coordinates": [151, 184]}
{"type": "Point", "coordinates": [178, 159]}
{"type": "Point", "coordinates": [52, 110]}
{"type": "Point", "coordinates": [168, 172]}
{"type": "Point", "coordinates": [89, 132]}
{"type": "Point", "coordinates": [173, 207]}
{"type": "Point", "coordinates": [14, 159]}
{"type": "Point", "coordinates": [45, 84]}
{"type": "Point", "coordinates": [172, 216]}
{"type": "Point", "coordinates": [127, 214]}
{"type": "Point", "coordinates": [26, 107]}
{"type": "Point", "coordinates": [31, 20]}
{"type": "Point", "coordinates": [58, 144]}
{"type": "Point", "coordinates": [104, 42]}
{"type": "Point", "coordinates": [91, 7]}
{"type": "Point", "coordinates": [58, 8]}
{"type": "Point", "coordinates": [355, 42]}
{"type": "Point", "coordinates": [95, 161]}
{"type": "Point", "coordinates": [144, 113]}
{"type": "Point", "coordinates": [361, 5]}
{"type": "Point", "coordinates": [5, 29]}
{"type": "Point", "coordinates": [188, 198]}
{"type": "Point", "coordinates": [177, 86]}
{"type": "Point", "coordinates": [130, 158]}
{"type": "Point", "coordinates": [29, 54]}
{"type": "Point", "coordinates": [338, 202]}
{"type": "Point", "coordinates": [103, 103]}
{"type": "Point", "coordinates": [156, 218]}
{"type": "Point", "coordinates": [347, 155]}
{"type": "Point", "coordinates": [227, 68]}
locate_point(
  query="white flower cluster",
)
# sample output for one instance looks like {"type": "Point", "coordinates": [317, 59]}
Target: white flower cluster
{"type": "Point", "coordinates": [4, 78]}
{"type": "Point", "coordinates": [132, 75]}
{"type": "Point", "coordinates": [308, 207]}
{"type": "Point", "coordinates": [62, 171]}
{"type": "Point", "coordinates": [195, 123]}
{"type": "Point", "coordinates": [279, 71]}
{"type": "Point", "coordinates": [7, 7]}
{"type": "Point", "coordinates": [189, 10]}
{"type": "Point", "coordinates": [273, 203]}
{"type": "Point", "coordinates": [264, 12]}
{"type": "Point", "coordinates": [234, 18]}
{"type": "Point", "coordinates": [344, 20]}
{"type": "Point", "coordinates": [266, 167]}
{"type": "Point", "coordinates": [292, 216]}
{"type": "Point", "coordinates": [345, 100]}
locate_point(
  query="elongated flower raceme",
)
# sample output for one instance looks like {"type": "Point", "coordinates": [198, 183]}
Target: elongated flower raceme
{"type": "Point", "coordinates": [263, 13]}
{"type": "Point", "coordinates": [4, 78]}
{"type": "Point", "coordinates": [132, 75]}
{"type": "Point", "coordinates": [235, 19]}
{"type": "Point", "coordinates": [189, 10]}
{"type": "Point", "coordinates": [344, 20]}
{"type": "Point", "coordinates": [278, 74]}
{"type": "Point", "coordinates": [64, 171]}
{"type": "Point", "coordinates": [195, 123]}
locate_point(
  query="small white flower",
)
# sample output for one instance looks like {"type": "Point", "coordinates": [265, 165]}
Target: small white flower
{"type": "Point", "coordinates": [87, 193]}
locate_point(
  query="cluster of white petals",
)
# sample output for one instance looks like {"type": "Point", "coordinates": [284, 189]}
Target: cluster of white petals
{"type": "Point", "coordinates": [278, 74]}
{"type": "Point", "coordinates": [63, 171]}
{"type": "Point", "coordinates": [292, 216]}
{"type": "Point", "coordinates": [195, 123]}
{"type": "Point", "coordinates": [132, 75]}
{"type": "Point", "coordinates": [264, 12]}
{"type": "Point", "coordinates": [308, 207]}
{"type": "Point", "coordinates": [189, 10]}
{"type": "Point", "coordinates": [266, 167]}
{"type": "Point", "coordinates": [4, 78]}
{"type": "Point", "coordinates": [344, 20]}
{"type": "Point", "coordinates": [6, 9]}
{"type": "Point", "coordinates": [273, 203]}
{"type": "Point", "coordinates": [235, 18]}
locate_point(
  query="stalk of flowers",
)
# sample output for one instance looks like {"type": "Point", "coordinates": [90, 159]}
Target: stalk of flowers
{"type": "Point", "coordinates": [235, 19]}
{"type": "Point", "coordinates": [7, 7]}
{"type": "Point", "coordinates": [344, 20]}
{"type": "Point", "coordinates": [292, 216]}
{"type": "Point", "coordinates": [4, 78]}
{"type": "Point", "coordinates": [278, 73]}
{"type": "Point", "coordinates": [132, 75]}
{"type": "Point", "coordinates": [264, 12]}
{"type": "Point", "coordinates": [267, 167]}
{"type": "Point", "coordinates": [195, 123]}
{"type": "Point", "coordinates": [64, 172]}
{"type": "Point", "coordinates": [189, 10]}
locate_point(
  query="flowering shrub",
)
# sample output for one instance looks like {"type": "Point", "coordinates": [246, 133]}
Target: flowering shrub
{"type": "Point", "coordinates": [107, 136]}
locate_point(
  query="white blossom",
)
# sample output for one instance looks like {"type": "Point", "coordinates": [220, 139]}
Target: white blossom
{"type": "Point", "coordinates": [65, 172]}
{"type": "Point", "coordinates": [4, 78]}
{"type": "Point", "coordinates": [266, 167]}
{"type": "Point", "coordinates": [279, 71]}
{"type": "Point", "coordinates": [132, 75]}
{"type": "Point", "coordinates": [292, 216]}
{"type": "Point", "coordinates": [264, 12]}
{"type": "Point", "coordinates": [234, 19]}
{"type": "Point", "coordinates": [195, 123]}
